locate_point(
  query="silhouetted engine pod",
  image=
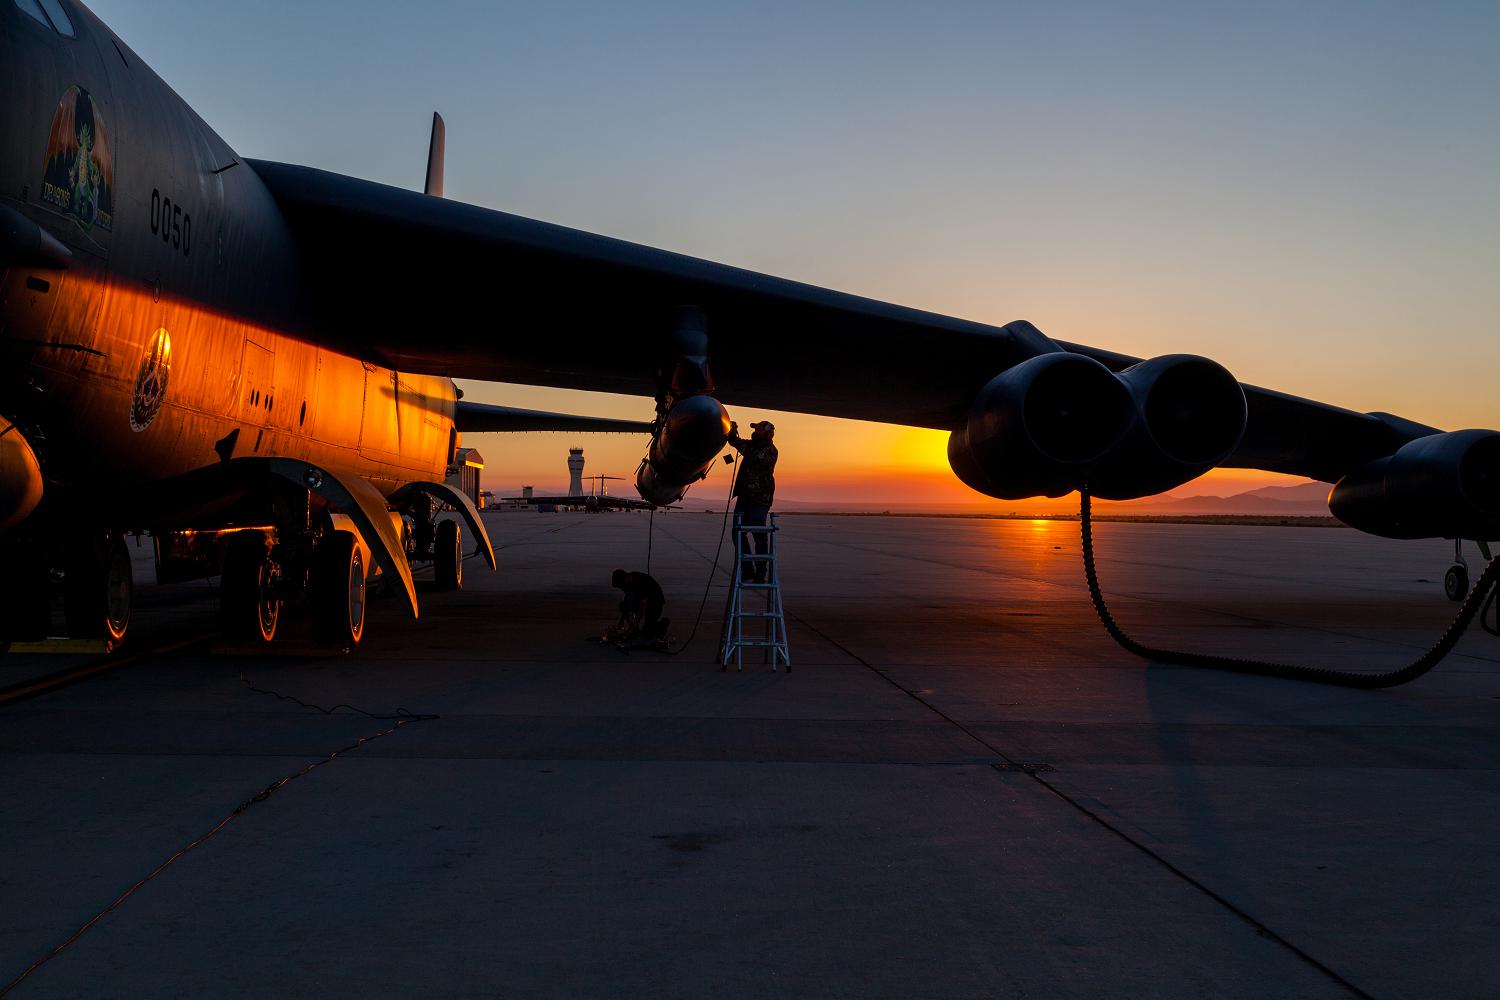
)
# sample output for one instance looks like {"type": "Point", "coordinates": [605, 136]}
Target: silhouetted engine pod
{"type": "Point", "coordinates": [683, 450]}
{"type": "Point", "coordinates": [1191, 416]}
{"type": "Point", "coordinates": [1038, 428]}
{"type": "Point", "coordinates": [20, 477]}
{"type": "Point", "coordinates": [1439, 486]}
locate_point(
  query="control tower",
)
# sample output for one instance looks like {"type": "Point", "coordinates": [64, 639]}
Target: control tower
{"type": "Point", "coordinates": [575, 472]}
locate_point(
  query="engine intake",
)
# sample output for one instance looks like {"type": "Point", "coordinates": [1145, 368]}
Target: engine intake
{"type": "Point", "coordinates": [1192, 415]}
{"type": "Point", "coordinates": [683, 450]}
{"type": "Point", "coordinates": [1037, 428]}
{"type": "Point", "coordinates": [1439, 486]}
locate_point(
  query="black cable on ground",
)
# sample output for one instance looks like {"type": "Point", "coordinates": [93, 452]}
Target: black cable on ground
{"type": "Point", "coordinates": [1483, 595]}
{"type": "Point", "coordinates": [401, 713]}
{"type": "Point", "coordinates": [1484, 616]}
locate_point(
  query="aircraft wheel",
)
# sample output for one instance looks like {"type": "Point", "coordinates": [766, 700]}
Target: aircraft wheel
{"type": "Point", "coordinates": [1456, 582]}
{"type": "Point", "coordinates": [249, 605]}
{"type": "Point", "coordinates": [338, 590]}
{"type": "Point", "coordinates": [97, 589]}
{"type": "Point", "coordinates": [448, 556]}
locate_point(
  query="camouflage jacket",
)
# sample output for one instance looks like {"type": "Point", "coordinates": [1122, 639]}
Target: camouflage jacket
{"type": "Point", "coordinates": [756, 482]}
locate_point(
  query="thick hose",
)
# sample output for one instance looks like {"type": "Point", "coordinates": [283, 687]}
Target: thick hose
{"type": "Point", "coordinates": [1480, 596]}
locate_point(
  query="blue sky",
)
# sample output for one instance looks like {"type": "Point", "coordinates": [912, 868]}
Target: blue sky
{"type": "Point", "coordinates": [1306, 192]}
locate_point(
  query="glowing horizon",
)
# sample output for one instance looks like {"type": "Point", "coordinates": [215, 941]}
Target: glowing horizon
{"type": "Point", "coordinates": [822, 459]}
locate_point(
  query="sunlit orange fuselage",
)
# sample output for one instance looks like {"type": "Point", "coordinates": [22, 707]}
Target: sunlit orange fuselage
{"type": "Point", "coordinates": [177, 336]}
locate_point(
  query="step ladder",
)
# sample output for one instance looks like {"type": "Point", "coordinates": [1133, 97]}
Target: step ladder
{"type": "Point", "coordinates": [767, 622]}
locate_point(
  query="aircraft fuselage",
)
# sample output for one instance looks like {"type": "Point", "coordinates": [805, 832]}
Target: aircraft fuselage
{"type": "Point", "coordinates": [176, 336]}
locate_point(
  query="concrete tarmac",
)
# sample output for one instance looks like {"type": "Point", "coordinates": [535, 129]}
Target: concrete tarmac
{"type": "Point", "coordinates": [963, 789]}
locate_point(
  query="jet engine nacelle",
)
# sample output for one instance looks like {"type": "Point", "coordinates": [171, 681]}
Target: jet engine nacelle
{"type": "Point", "coordinates": [690, 438]}
{"type": "Point", "coordinates": [20, 477]}
{"type": "Point", "coordinates": [1190, 417]}
{"type": "Point", "coordinates": [1439, 486]}
{"type": "Point", "coordinates": [1038, 428]}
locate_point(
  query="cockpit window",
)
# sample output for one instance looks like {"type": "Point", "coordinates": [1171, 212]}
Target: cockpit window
{"type": "Point", "coordinates": [55, 17]}
{"type": "Point", "coordinates": [30, 7]}
{"type": "Point", "coordinates": [59, 18]}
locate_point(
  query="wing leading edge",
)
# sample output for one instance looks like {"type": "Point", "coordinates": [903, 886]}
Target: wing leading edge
{"type": "Point", "coordinates": [499, 297]}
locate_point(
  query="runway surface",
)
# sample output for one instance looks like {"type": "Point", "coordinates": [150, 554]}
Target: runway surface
{"type": "Point", "coordinates": [963, 789]}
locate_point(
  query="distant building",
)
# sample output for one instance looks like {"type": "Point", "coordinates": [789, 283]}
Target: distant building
{"type": "Point", "coordinates": [464, 473]}
{"type": "Point", "coordinates": [575, 472]}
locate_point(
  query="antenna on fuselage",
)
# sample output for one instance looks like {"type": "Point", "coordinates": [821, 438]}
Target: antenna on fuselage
{"type": "Point", "coordinates": [435, 158]}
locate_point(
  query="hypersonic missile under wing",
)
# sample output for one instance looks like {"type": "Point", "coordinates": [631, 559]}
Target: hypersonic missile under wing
{"type": "Point", "coordinates": [254, 361]}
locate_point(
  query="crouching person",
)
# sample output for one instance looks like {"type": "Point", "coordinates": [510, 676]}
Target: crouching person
{"type": "Point", "coordinates": [640, 610]}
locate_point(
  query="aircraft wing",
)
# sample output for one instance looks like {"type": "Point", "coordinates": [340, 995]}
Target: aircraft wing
{"type": "Point", "coordinates": [473, 293]}
{"type": "Point", "coordinates": [485, 417]}
{"type": "Point", "coordinates": [1297, 436]}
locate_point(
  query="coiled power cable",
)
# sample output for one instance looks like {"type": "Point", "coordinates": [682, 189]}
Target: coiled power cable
{"type": "Point", "coordinates": [1482, 596]}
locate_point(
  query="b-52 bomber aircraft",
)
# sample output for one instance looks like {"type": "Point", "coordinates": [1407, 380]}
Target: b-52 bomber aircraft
{"type": "Point", "coordinates": [255, 359]}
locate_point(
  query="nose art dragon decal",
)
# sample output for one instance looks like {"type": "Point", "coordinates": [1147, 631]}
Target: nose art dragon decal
{"type": "Point", "coordinates": [80, 175]}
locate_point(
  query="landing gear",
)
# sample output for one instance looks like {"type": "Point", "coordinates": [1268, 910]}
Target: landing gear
{"type": "Point", "coordinates": [97, 588]}
{"type": "Point", "coordinates": [1456, 582]}
{"type": "Point", "coordinates": [337, 590]}
{"type": "Point", "coordinates": [249, 591]}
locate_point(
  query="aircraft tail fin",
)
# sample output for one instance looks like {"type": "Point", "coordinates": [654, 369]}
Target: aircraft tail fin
{"type": "Point", "coordinates": [435, 157]}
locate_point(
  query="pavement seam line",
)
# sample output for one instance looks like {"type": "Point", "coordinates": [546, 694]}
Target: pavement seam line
{"type": "Point", "coordinates": [182, 851]}
{"type": "Point", "coordinates": [1257, 925]}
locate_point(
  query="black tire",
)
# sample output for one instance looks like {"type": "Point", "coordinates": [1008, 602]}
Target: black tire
{"type": "Point", "coordinates": [448, 556]}
{"type": "Point", "coordinates": [97, 588]}
{"type": "Point", "coordinates": [1456, 582]}
{"type": "Point", "coordinates": [339, 590]}
{"type": "Point", "coordinates": [249, 605]}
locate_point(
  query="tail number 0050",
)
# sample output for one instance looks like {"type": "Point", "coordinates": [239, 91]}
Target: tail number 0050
{"type": "Point", "coordinates": [171, 223]}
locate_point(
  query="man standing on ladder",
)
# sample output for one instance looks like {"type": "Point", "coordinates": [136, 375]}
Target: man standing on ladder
{"type": "Point", "coordinates": [755, 489]}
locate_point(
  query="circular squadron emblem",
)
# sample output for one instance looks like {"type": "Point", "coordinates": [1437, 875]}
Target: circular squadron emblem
{"type": "Point", "coordinates": [151, 382]}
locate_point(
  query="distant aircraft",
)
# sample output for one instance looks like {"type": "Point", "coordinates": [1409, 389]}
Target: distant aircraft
{"type": "Point", "coordinates": [596, 500]}
{"type": "Point", "coordinates": [256, 358]}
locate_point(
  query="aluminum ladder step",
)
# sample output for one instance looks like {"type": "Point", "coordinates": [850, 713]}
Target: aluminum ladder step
{"type": "Point", "coordinates": [771, 636]}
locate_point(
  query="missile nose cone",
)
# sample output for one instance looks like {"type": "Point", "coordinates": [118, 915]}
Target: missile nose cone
{"type": "Point", "coordinates": [689, 441]}
{"type": "Point", "coordinates": [697, 428]}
